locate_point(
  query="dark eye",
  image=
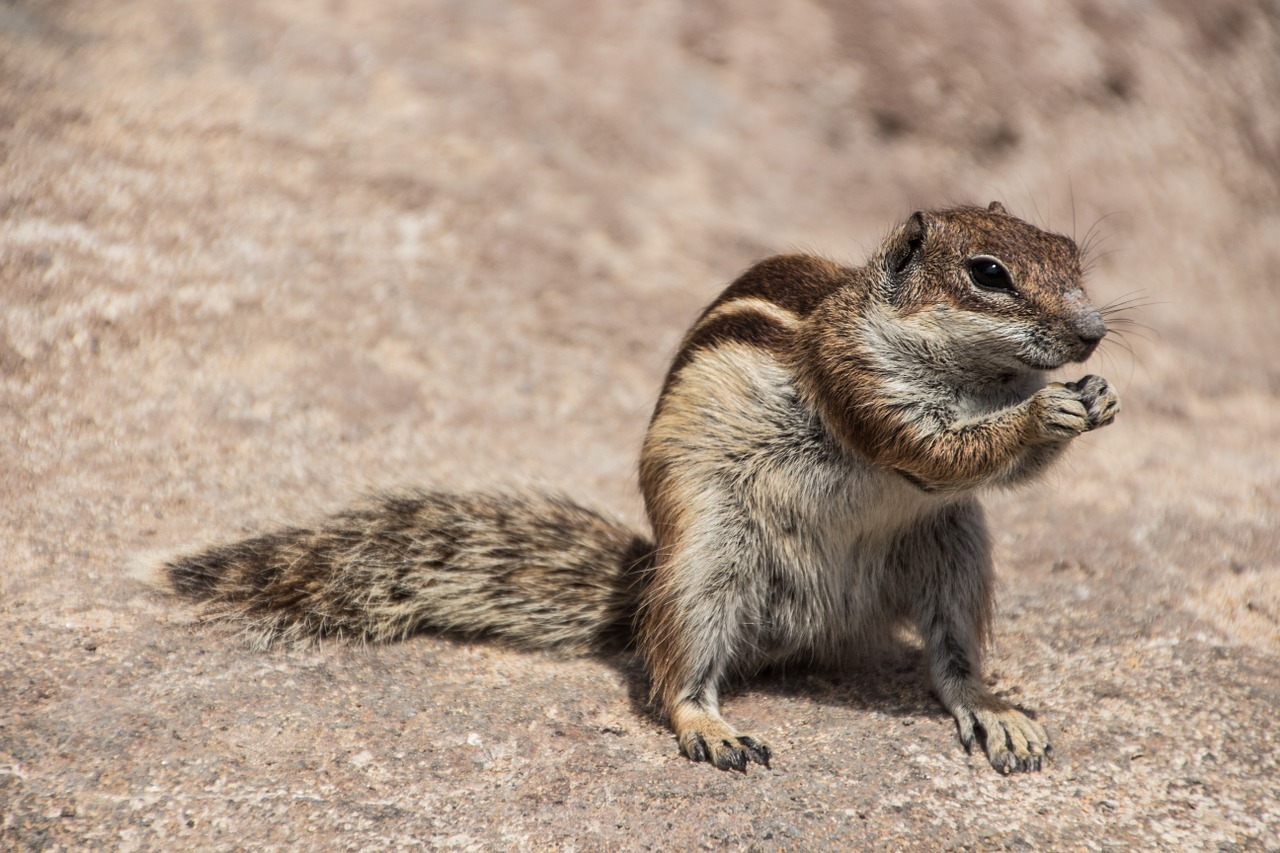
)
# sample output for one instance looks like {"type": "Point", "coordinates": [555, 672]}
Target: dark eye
{"type": "Point", "coordinates": [989, 274]}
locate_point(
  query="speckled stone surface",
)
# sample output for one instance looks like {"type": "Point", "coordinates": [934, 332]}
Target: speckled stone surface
{"type": "Point", "coordinates": [257, 257]}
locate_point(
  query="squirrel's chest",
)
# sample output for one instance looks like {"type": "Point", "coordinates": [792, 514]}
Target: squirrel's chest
{"type": "Point", "coordinates": [826, 525]}
{"type": "Point", "coordinates": [802, 526]}
{"type": "Point", "coordinates": [827, 574]}
{"type": "Point", "coordinates": [736, 433]}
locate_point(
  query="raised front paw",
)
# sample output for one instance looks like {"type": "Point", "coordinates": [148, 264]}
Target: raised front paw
{"type": "Point", "coordinates": [1014, 742]}
{"type": "Point", "coordinates": [1068, 409]}
{"type": "Point", "coordinates": [1063, 413]}
{"type": "Point", "coordinates": [1099, 398]}
{"type": "Point", "coordinates": [704, 737]}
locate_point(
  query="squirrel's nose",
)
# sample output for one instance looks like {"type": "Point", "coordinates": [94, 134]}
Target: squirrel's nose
{"type": "Point", "coordinates": [1091, 328]}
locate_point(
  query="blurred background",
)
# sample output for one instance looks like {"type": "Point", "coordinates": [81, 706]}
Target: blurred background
{"type": "Point", "coordinates": [256, 257]}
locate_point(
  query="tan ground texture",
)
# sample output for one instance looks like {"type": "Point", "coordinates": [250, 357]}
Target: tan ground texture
{"type": "Point", "coordinates": [257, 257]}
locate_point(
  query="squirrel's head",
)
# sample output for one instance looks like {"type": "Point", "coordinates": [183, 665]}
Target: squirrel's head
{"type": "Point", "coordinates": [992, 285]}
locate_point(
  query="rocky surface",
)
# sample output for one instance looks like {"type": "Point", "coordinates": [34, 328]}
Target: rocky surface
{"type": "Point", "coordinates": [258, 257]}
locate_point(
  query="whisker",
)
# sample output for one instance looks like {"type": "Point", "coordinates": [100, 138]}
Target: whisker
{"type": "Point", "coordinates": [1121, 340]}
{"type": "Point", "coordinates": [1109, 360]}
{"type": "Point", "coordinates": [1132, 301]}
{"type": "Point", "coordinates": [1092, 259]}
{"type": "Point", "coordinates": [1128, 297]}
{"type": "Point", "coordinates": [1134, 360]}
{"type": "Point", "coordinates": [1035, 207]}
{"type": "Point", "coordinates": [1123, 344]}
{"type": "Point", "coordinates": [1092, 233]}
{"type": "Point", "coordinates": [1125, 326]}
{"type": "Point", "coordinates": [1093, 240]}
{"type": "Point", "coordinates": [1071, 188]}
{"type": "Point", "coordinates": [1129, 305]}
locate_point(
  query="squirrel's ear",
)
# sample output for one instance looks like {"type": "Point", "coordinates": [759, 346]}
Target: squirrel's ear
{"type": "Point", "coordinates": [997, 207]}
{"type": "Point", "coordinates": [908, 243]}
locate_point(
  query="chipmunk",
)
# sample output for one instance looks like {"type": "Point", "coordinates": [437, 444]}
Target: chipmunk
{"type": "Point", "coordinates": [811, 472]}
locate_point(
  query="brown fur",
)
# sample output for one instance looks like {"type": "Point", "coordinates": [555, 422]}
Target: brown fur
{"type": "Point", "coordinates": [810, 473]}
{"type": "Point", "coordinates": [532, 570]}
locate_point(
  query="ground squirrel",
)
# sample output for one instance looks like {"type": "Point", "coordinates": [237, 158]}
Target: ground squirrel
{"type": "Point", "coordinates": [811, 474]}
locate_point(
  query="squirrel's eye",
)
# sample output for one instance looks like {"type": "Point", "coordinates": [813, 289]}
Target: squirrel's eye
{"type": "Point", "coordinates": [990, 274]}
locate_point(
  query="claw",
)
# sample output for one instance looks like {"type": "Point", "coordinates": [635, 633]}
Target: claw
{"type": "Point", "coordinates": [705, 736]}
{"type": "Point", "coordinates": [967, 736]}
{"type": "Point", "coordinates": [1013, 742]}
{"type": "Point", "coordinates": [698, 751]}
{"type": "Point", "coordinates": [757, 752]}
{"type": "Point", "coordinates": [731, 758]}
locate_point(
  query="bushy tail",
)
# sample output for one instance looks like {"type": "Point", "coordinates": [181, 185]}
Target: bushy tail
{"type": "Point", "coordinates": [532, 570]}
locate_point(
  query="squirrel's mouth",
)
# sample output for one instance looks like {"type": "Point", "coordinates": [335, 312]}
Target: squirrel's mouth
{"type": "Point", "coordinates": [1040, 360]}
{"type": "Point", "coordinates": [1038, 356]}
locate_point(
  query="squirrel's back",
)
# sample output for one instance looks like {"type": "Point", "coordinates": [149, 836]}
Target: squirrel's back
{"type": "Point", "coordinates": [534, 570]}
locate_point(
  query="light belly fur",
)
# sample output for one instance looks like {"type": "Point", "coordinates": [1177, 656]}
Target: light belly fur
{"type": "Point", "coordinates": [799, 529]}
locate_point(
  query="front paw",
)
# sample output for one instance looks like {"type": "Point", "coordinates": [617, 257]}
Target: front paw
{"type": "Point", "coordinates": [1061, 412]}
{"type": "Point", "coordinates": [1014, 742]}
{"type": "Point", "coordinates": [1099, 398]}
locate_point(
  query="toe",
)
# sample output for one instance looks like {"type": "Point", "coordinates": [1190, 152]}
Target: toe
{"type": "Point", "coordinates": [729, 757]}
{"type": "Point", "coordinates": [757, 751]}
{"type": "Point", "coordinates": [695, 748]}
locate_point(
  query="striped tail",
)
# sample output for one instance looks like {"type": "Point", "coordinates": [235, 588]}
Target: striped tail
{"type": "Point", "coordinates": [533, 570]}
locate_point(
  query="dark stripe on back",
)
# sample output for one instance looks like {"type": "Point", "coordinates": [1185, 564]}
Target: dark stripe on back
{"type": "Point", "coordinates": [794, 282]}
{"type": "Point", "coordinates": [747, 326]}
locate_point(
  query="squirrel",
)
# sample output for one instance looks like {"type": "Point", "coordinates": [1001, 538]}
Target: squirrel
{"type": "Point", "coordinates": [811, 473]}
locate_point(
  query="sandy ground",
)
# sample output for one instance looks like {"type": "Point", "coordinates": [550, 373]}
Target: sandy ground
{"type": "Point", "coordinates": [256, 257]}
